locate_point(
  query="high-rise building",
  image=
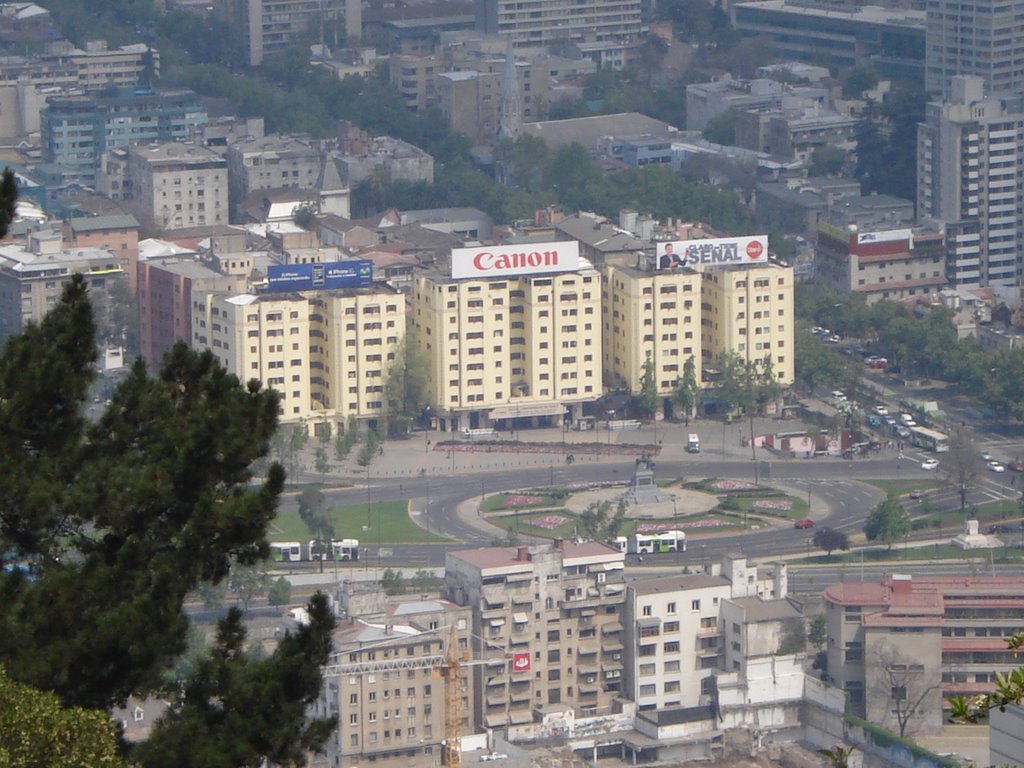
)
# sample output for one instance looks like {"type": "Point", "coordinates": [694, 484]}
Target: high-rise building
{"type": "Point", "coordinates": [981, 39]}
{"type": "Point", "coordinates": [265, 27]}
{"type": "Point", "coordinates": [969, 161]}
{"type": "Point", "coordinates": [540, 23]}
{"type": "Point", "coordinates": [556, 610]}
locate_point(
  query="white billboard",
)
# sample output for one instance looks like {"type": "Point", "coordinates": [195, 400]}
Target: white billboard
{"type": "Point", "coordinates": [752, 249]}
{"type": "Point", "coordinates": [883, 237]}
{"type": "Point", "coordinates": [510, 260]}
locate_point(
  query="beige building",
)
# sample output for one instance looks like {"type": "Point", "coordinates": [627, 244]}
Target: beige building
{"type": "Point", "coordinates": [325, 352]}
{"type": "Point", "coordinates": [652, 315]}
{"type": "Point", "coordinates": [556, 610]}
{"type": "Point", "coordinates": [170, 185]}
{"type": "Point", "coordinates": [384, 686]}
{"type": "Point", "coordinates": [514, 347]}
{"type": "Point", "coordinates": [749, 311]}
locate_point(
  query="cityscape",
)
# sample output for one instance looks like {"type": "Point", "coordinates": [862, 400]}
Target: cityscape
{"type": "Point", "coordinates": [436, 382]}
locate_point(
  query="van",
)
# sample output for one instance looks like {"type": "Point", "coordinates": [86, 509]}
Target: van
{"type": "Point", "coordinates": [693, 443]}
{"type": "Point", "coordinates": [906, 419]}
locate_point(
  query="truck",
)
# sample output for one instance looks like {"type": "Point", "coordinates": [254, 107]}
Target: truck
{"type": "Point", "coordinates": [693, 443]}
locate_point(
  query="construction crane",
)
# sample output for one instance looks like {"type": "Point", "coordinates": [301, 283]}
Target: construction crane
{"type": "Point", "coordinates": [448, 667]}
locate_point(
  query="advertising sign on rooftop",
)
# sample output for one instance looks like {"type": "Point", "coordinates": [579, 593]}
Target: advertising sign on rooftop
{"type": "Point", "coordinates": [509, 260]}
{"type": "Point", "coordinates": [725, 251]}
{"type": "Point", "coordinates": [357, 273]}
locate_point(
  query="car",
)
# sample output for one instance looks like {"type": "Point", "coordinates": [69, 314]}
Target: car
{"type": "Point", "coordinates": [805, 523]}
{"type": "Point", "coordinates": [890, 421]}
{"type": "Point", "coordinates": [903, 432]}
{"type": "Point", "coordinates": [910, 423]}
{"type": "Point", "coordinates": [986, 456]}
{"type": "Point", "coordinates": [1016, 466]}
{"type": "Point", "coordinates": [917, 495]}
{"type": "Point", "coordinates": [930, 464]}
{"type": "Point", "coordinates": [833, 339]}
{"type": "Point", "coordinates": [838, 394]}
{"type": "Point", "coordinates": [995, 466]}
{"type": "Point", "coordinates": [1000, 528]}
{"type": "Point", "coordinates": [881, 410]}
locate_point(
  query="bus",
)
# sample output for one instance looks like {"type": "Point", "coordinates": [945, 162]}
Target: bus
{"type": "Point", "coordinates": [296, 551]}
{"type": "Point", "coordinates": [929, 439]}
{"type": "Point", "coordinates": [286, 551]}
{"type": "Point", "coordinates": [651, 543]}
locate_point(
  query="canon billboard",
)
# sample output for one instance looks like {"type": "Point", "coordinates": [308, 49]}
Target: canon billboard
{"type": "Point", "coordinates": [724, 251]}
{"type": "Point", "coordinates": [510, 260]}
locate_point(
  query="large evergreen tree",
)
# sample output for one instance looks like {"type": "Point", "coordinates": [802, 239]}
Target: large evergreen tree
{"type": "Point", "coordinates": [117, 520]}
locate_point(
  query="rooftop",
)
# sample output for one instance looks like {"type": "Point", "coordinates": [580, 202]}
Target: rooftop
{"type": "Point", "coordinates": [677, 583]}
{"type": "Point", "coordinates": [757, 609]}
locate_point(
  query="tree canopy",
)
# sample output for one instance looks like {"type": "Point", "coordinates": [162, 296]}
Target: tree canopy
{"type": "Point", "coordinates": [888, 521]}
{"type": "Point", "coordinates": [117, 520]}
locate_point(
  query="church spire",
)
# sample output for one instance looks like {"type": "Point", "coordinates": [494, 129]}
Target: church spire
{"type": "Point", "coordinates": [510, 115]}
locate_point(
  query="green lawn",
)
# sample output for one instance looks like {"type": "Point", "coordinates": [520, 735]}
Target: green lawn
{"type": "Point", "coordinates": [499, 501]}
{"type": "Point", "coordinates": [797, 512]}
{"type": "Point", "coordinates": [905, 486]}
{"type": "Point", "coordinates": [986, 514]}
{"type": "Point", "coordinates": [350, 522]}
{"type": "Point", "coordinates": [930, 552]}
{"type": "Point", "coordinates": [521, 524]}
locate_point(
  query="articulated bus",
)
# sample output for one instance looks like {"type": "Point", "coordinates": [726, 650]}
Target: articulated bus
{"type": "Point", "coordinates": [651, 543]}
{"type": "Point", "coordinates": [296, 551]}
{"type": "Point", "coordinates": [929, 439]}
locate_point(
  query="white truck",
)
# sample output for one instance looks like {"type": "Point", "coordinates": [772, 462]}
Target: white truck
{"type": "Point", "coordinates": [693, 443]}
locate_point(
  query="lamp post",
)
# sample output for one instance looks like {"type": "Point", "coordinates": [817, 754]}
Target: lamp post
{"type": "Point", "coordinates": [611, 415]}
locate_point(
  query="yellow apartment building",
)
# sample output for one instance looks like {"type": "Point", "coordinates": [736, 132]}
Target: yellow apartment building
{"type": "Point", "coordinates": [326, 352]}
{"type": "Point", "coordinates": [650, 314]}
{"type": "Point", "coordinates": [749, 310]}
{"type": "Point", "coordinates": [508, 340]}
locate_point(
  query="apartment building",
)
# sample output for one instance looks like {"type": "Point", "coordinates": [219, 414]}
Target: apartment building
{"type": "Point", "coordinates": [264, 27]}
{"type": "Point", "coordinates": [981, 39]}
{"type": "Point", "coordinates": [33, 273]}
{"type": "Point", "coordinates": [892, 264]}
{"type": "Point", "coordinates": [513, 333]}
{"type": "Point", "coordinates": [118, 232]}
{"type": "Point", "coordinates": [969, 161]}
{"type": "Point", "coordinates": [902, 647]}
{"type": "Point", "coordinates": [75, 131]}
{"type": "Point", "coordinates": [383, 686]}
{"type": "Point", "coordinates": [361, 155]}
{"type": "Point", "coordinates": [649, 315]}
{"type": "Point", "coordinates": [541, 23]}
{"type": "Point", "coordinates": [168, 186]}
{"type": "Point", "coordinates": [325, 351]}
{"type": "Point", "coordinates": [556, 610]}
{"type": "Point", "coordinates": [749, 311]}
{"type": "Point", "coordinates": [272, 162]}
{"type": "Point", "coordinates": [673, 636]}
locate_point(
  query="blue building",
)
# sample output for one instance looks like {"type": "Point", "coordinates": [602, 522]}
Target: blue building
{"type": "Point", "coordinates": [77, 130]}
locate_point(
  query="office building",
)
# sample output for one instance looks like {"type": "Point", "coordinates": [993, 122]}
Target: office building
{"type": "Point", "coordinates": [75, 131]}
{"type": "Point", "coordinates": [969, 164]}
{"type": "Point", "coordinates": [981, 39]}
{"type": "Point", "coordinates": [265, 27]}
{"type": "Point", "coordinates": [511, 338]}
{"type": "Point", "coordinates": [650, 315]}
{"type": "Point", "coordinates": [556, 611]}
{"type": "Point", "coordinates": [326, 352]}
{"type": "Point", "coordinates": [890, 40]}
{"type": "Point", "coordinates": [901, 648]}
{"type": "Point", "coordinates": [541, 23]}
{"type": "Point", "coordinates": [893, 264]}
{"type": "Point", "coordinates": [168, 186]}
{"type": "Point", "coordinates": [384, 685]}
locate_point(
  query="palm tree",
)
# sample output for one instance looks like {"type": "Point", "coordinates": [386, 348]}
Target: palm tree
{"type": "Point", "coordinates": [838, 756]}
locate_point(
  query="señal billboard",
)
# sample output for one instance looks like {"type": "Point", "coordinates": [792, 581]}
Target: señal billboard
{"type": "Point", "coordinates": [509, 260]}
{"type": "Point", "coordinates": [724, 251]}
{"type": "Point", "coordinates": [357, 273]}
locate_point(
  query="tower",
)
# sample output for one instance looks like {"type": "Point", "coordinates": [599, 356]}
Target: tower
{"type": "Point", "coordinates": [978, 39]}
{"type": "Point", "coordinates": [510, 116]}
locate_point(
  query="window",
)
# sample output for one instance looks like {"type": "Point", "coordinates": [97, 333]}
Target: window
{"type": "Point", "coordinates": [695, 605]}
{"type": "Point", "coordinates": [671, 608]}
{"type": "Point", "coordinates": [647, 610]}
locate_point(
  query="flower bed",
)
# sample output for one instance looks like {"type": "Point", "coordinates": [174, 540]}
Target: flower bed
{"type": "Point", "coordinates": [522, 500]}
{"type": "Point", "coordinates": [733, 485]}
{"type": "Point", "coordinates": [782, 505]}
{"type": "Point", "coordinates": [548, 522]}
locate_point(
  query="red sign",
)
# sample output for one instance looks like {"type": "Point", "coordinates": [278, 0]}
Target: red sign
{"type": "Point", "coordinates": [521, 259]}
{"type": "Point", "coordinates": [520, 662]}
{"type": "Point", "coordinates": [754, 249]}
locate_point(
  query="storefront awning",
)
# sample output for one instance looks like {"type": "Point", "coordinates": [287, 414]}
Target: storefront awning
{"type": "Point", "coordinates": [526, 410]}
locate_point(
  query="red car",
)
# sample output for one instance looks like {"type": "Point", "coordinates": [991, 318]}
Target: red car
{"type": "Point", "coordinates": [1015, 466]}
{"type": "Point", "coordinates": [805, 523]}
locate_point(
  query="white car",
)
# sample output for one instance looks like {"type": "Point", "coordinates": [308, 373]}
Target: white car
{"type": "Point", "coordinates": [838, 394]}
{"type": "Point", "coordinates": [909, 424]}
{"type": "Point", "coordinates": [995, 466]}
{"type": "Point", "coordinates": [985, 456]}
{"type": "Point", "coordinates": [881, 410]}
{"type": "Point", "coordinates": [930, 464]}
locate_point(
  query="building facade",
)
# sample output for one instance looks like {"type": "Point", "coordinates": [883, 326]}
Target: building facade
{"type": "Point", "coordinates": [981, 39]}
{"type": "Point", "coordinates": [556, 610]}
{"type": "Point", "coordinates": [325, 352]}
{"type": "Point", "coordinates": [903, 647]}
{"type": "Point", "coordinates": [272, 162]}
{"type": "Point", "coordinates": [969, 161]}
{"type": "Point", "coordinates": [540, 23]}
{"type": "Point", "coordinates": [263, 27]}
{"type": "Point", "coordinates": [520, 346]}
{"type": "Point", "coordinates": [75, 131]}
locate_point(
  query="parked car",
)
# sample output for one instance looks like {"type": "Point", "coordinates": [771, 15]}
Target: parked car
{"type": "Point", "coordinates": [838, 394]}
{"type": "Point", "coordinates": [890, 421]}
{"type": "Point", "coordinates": [805, 523]}
{"type": "Point", "coordinates": [930, 464]}
{"type": "Point", "coordinates": [1000, 528]}
{"type": "Point", "coordinates": [995, 466]}
{"type": "Point", "coordinates": [881, 410]}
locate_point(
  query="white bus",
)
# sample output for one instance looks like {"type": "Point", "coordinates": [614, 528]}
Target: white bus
{"type": "Point", "coordinates": [929, 439]}
{"type": "Point", "coordinates": [651, 543]}
{"type": "Point", "coordinates": [286, 551]}
{"type": "Point", "coordinates": [341, 549]}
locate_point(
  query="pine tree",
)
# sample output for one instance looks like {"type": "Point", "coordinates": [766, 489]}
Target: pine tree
{"type": "Point", "coordinates": [118, 520]}
{"type": "Point", "coordinates": [8, 200]}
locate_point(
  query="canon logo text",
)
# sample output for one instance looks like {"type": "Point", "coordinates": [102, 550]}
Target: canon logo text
{"type": "Point", "coordinates": [485, 260]}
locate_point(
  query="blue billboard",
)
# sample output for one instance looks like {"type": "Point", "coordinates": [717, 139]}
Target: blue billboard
{"type": "Point", "coordinates": [357, 273]}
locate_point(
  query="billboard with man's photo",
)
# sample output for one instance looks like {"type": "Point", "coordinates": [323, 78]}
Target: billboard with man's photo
{"type": "Point", "coordinates": [750, 249]}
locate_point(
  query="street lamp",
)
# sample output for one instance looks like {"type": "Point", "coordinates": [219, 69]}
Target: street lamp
{"type": "Point", "coordinates": [611, 415]}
